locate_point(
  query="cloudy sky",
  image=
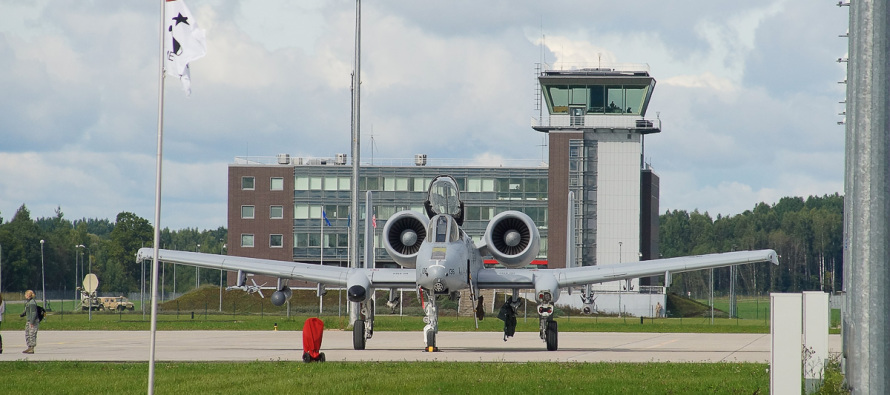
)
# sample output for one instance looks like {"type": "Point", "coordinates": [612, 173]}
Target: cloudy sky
{"type": "Point", "coordinates": [747, 92]}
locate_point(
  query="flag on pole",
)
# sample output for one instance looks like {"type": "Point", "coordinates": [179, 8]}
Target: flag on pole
{"type": "Point", "coordinates": [374, 221]}
{"type": "Point", "coordinates": [183, 42]}
{"type": "Point", "coordinates": [325, 216]}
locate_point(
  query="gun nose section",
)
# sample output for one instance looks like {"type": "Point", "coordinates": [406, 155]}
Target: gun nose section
{"type": "Point", "coordinates": [437, 274]}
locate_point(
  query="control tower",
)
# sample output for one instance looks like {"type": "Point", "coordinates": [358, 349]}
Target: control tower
{"type": "Point", "coordinates": [596, 121]}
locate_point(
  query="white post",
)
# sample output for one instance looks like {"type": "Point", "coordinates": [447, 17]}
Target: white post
{"type": "Point", "coordinates": [785, 344]}
{"type": "Point", "coordinates": [815, 338]}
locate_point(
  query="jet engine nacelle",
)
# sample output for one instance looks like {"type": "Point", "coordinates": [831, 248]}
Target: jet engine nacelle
{"type": "Point", "coordinates": [402, 236]}
{"type": "Point", "coordinates": [281, 296]}
{"type": "Point", "coordinates": [512, 239]}
{"type": "Point", "coordinates": [358, 287]}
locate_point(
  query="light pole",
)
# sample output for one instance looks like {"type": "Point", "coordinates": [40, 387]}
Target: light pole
{"type": "Point", "coordinates": [197, 274]}
{"type": "Point", "coordinates": [90, 258]}
{"type": "Point", "coordinates": [620, 243]}
{"type": "Point", "coordinates": [1, 269]}
{"type": "Point", "coordinates": [43, 274]}
{"type": "Point", "coordinates": [221, 278]}
{"type": "Point", "coordinates": [75, 268]}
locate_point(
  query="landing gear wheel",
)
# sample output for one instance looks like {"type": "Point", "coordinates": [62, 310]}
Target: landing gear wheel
{"type": "Point", "coordinates": [358, 335]}
{"type": "Point", "coordinates": [431, 341]}
{"type": "Point", "coordinates": [550, 336]}
{"type": "Point", "coordinates": [321, 357]}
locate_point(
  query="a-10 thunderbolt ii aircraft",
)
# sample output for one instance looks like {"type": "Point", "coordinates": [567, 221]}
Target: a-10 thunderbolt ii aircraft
{"type": "Point", "coordinates": [438, 258]}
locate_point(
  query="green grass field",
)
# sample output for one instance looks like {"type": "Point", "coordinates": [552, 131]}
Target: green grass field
{"type": "Point", "coordinates": [389, 378]}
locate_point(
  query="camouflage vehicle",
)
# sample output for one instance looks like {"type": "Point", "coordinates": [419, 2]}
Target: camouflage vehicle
{"type": "Point", "coordinates": [117, 303]}
{"type": "Point", "coordinates": [85, 303]}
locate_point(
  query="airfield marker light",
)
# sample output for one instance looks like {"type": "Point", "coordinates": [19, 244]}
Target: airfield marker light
{"type": "Point", "coordinates": [276, 327]}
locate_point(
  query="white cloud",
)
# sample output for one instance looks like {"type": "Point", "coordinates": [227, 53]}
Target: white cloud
{"type": "Point", "coordinates": [749, 109]}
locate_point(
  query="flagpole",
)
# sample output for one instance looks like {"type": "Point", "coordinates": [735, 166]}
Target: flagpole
{"type": "Point", "coordinates": [157, 219]}
{"type": "Point", "coordinates": [321, 260]}
{"type": "Point", "coordinates": [356, 151]}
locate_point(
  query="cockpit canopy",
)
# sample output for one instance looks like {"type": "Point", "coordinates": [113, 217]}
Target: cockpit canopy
{"type": "Point", "coordinates": [444, 196]}
{"type": "Point", "coordinates": [444, 228]}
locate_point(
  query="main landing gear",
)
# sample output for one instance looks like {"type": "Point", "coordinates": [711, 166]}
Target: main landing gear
{"type": "Point", "coordinates": [363, 328]}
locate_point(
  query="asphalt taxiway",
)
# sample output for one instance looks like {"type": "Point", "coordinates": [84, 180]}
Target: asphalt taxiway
{"type": "Point", "coordinates": [113, 346]}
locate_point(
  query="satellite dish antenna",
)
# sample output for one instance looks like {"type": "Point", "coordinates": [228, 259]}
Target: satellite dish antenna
{"type": "Point", "coordinates": [90, 283]}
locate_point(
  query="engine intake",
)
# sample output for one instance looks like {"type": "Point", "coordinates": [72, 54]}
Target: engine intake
{"type": "Point", "coordinates": [403, 234]}
{"type": "Point", "coordinates": [512, 239]}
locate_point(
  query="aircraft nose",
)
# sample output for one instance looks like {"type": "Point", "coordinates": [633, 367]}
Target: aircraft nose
{"type": "Point", "coordinates": [437, 273]}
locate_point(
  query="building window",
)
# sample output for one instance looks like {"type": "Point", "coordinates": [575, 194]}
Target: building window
{"type": "Point", "coordinates": [246, 240]}
{"type": "Point", "coordinates": [276, 212]}
{"type": "Point", "coordinates": [247, 212]}
{"type": "Point", "coordinates": [330, 183]}
{"type": "Point", "coordinates": [247, 183]}
{"type": "Point", "coordinates": [276, 184]}
{"type": "Point", "coordinates": [420, 184]}
{"type": "Point", "coordinates": [276, 241]}
{"type": "Point", "coordinates": [345, 183]}
{"type": "Point", "coordinates": [301, 183]}
{"type": "Point", "coordinates": [301, 211]}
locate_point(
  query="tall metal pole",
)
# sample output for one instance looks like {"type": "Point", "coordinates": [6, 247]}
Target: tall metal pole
{"type": "Point", "coordinates": [866, 333]}
{"type": "Point", "coordinates": [157, 219]}
{"type": "Point", "coordinates": [43, 273]}
{"type": "Point", "coordinates": [356, 150]}
{"type": "Point", "coordinates": [711, 296]}
{"type": "Point", "coordinates": [221, 278]}
{"type": "Point", "coordinates": [197, 273]}
{"type": "Point", "coordinates": [90, 259]}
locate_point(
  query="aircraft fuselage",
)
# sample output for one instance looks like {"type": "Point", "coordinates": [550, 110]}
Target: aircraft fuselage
{"type": "Point", "coordinates": [447, 261]}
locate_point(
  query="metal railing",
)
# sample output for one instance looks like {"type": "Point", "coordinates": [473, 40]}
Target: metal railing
{"type": "Point", "coordinates": [392, 162]}
{"type": "Point", "coordinates": [597, 121]}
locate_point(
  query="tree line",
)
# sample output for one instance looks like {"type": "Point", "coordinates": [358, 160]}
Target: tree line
{"type": "Point", "coordinates": [806, 233]}
{"type": "Point", "coordinates": [73, 248]}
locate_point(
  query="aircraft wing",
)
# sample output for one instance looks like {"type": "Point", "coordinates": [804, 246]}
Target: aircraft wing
{"type": "Point", "coordinates": [328, 275]}
{"type": "Point", "coordinates": [525, 278]}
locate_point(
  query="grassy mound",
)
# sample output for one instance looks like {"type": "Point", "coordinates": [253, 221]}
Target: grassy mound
{"type": "Point", "coordinates": [681, 306]}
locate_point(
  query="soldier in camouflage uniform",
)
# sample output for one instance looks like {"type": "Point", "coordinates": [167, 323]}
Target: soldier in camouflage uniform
{"type": "Point", "coordinates": [32, 322]}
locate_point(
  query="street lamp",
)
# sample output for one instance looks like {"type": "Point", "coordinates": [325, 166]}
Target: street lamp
{"type": "Point", "coordinates": [197, 276]}
{"type": "Point", "coordinates": [43, 274]}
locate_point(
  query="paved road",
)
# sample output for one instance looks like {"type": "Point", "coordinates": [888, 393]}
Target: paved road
{"type": "Point", "coordinates": [392, 346]}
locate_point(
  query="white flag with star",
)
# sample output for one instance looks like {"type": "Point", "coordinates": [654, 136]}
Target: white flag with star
{"type": "Point", "coordinates": [183, 42]}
